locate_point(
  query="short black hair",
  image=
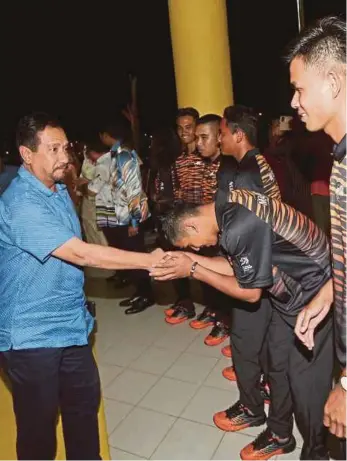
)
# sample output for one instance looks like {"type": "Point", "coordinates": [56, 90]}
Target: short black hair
{"type": "Point", "coordinates": [209, 119]}
{"type": "Point", "coordinates": [188, 112]}
{"type": "Point", "coordinates": [30, 126]}
{"type": "Point", "coordinates": [323, 41]}
{"type": "Point", "coordinates": [172, 220]}
{"type": "Point", "coordinates": [96, 145]}
{"type": "Point", "coordinates": [242, 118]}
{"type": "Point", "coordinates": [119, 129]}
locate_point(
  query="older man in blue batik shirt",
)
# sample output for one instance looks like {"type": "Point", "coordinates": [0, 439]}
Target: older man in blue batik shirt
{"type": "Point", "coordinates": [44, 324]}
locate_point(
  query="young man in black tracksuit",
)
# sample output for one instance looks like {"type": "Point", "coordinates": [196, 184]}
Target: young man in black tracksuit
{"type": "Point", "coordinates": [243, 167]}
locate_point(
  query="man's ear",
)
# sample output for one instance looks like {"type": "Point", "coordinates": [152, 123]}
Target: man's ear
{"type": "Point", "coordinates": [26, 154]}
{"type": "Point", "coordinates": [239, 135]}
{"type": "Point", "coordinates": [335, 83]}
{"type": "Point", "coordinates": [191, 226]}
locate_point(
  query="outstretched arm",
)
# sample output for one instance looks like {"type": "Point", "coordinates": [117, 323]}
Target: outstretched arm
{"type": "Point", "coordinates": [77, 252]}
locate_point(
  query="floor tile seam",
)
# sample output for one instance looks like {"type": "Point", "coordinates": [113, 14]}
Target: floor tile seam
{"type": "Point", "coordinates": [175, 418]}
{"type": "Point", "coordinates": [184, 381]}
{"type": "Point", "coordinates": [123, 366]}
{"type": "Point", "coordinates": [156, 374]}
{"type": "Point", "coordinates": [128, 452]}
{"type": "Point", "coordinates": [183, 352]}
{"type": "Point", "coordinates": [161, 412]}
{"type": "Point", "coordinates": [163, 374]}
{"type": "Point", "coordinates": [122, 401]}
{"type": "Point", "coordinates": [150, 388]}
{"type": "Point", "coordinates": [215, 387]}
{"type": "Point", "coordinates": [164, 437]}
{"type": "Point", "coordinates": [220, 442]}
{"type": "Point", "coordinates": [192, 397]}
{"type": "Point", "coordinates": [111, 382]}
{"type": "Point", "coordinates": [119, 423]}
{"type": "Point", "coordinates": [203, 355]}
{"type": "Point", "coordinates": [134, 360]}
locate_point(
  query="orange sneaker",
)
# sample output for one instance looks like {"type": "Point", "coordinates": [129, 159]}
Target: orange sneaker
{"type": "Point", "coordinates": [180, 303]}
{"type": "Point", "coordinates": [266, 445]}
{"type": "Point", "coordinates": [169, 311]}
{"type": "Point", "coordinates": [218, 335]}
{"type": "Point", "coordinates": [204, 320]}
{"type": "Point", "coordinates": [226, 351]}
{"type": "Point", "coordinates": [236, 418]}
{"type": "Point", "coordinates": [180, 315]}
{"type": "Point", "coordinates": [229, 373]}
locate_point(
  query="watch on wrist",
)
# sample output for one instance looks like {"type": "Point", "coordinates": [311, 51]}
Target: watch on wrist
{"type": "Point", "coordinates": [343, 382]}
{"type": "Point", "coordinates": [192, 269]}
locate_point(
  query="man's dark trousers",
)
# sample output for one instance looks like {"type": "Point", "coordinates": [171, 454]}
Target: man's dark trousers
{"type": "Point", "coordinates": [44, 381]}
{"type": "Point", "coordinates": [248, 337]}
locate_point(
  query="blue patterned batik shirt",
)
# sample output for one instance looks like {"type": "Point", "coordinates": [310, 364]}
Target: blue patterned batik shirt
{"type": "Point", "coordinates": [42, 302]}
{"type": "Point", "coordinates": [120, 200]}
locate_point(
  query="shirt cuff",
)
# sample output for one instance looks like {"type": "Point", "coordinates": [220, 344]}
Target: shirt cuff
{"type": "Point", "coordinates": [134, 223]}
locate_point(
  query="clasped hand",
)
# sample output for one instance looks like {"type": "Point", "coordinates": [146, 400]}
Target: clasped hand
{"type": "Point", "coordinates": [313, 314]}
{"type": "Point", "coordinates": [173, 265]}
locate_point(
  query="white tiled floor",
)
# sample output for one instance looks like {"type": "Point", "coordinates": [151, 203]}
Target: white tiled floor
{"type": "Point", "coordinates": [161, 384]}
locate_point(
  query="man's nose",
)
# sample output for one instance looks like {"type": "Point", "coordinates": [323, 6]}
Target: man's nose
{"type": "Point", "coordinates": [64, 156]}
{"type": "Point", "coordinates": [295, 101]}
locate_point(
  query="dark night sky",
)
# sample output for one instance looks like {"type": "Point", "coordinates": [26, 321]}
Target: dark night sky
{"type": "Point", "coordinates": [73, 60]}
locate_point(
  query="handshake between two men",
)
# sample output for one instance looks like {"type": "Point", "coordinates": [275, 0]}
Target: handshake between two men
{"type": "Point", "coordinates": [217, 271]}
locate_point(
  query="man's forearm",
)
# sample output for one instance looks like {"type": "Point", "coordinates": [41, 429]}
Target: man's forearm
{"type": "Point", "coordinates": [111, 258]}
{"type": "Point", "coordinates": [83, 254]}
{"type": "Point", "coordinates": [227, 284]}
{"type": "Point", "coordinates": [217, 264]}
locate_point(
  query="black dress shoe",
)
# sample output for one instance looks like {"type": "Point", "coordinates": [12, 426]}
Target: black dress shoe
{"type": "Point", "coordinates": [139, 305]}
{"type": "Point", "coordinates": [129, 301]}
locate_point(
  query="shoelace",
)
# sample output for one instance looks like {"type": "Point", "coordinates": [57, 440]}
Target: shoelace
{"type": "Point", "coordinates": [205, 314]}
{"type": "Point", "coordinates": [179, 309]}
{"type": "Point", "coordinates": [263, 439]}
{"type": "Point", "coordinates": [217, 330]}
{"type": "Point", "coordinates": [235, 410]}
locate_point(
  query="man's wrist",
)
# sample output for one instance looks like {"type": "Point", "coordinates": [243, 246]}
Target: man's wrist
{"type": "Point", "coordinates": [327, 292]}
{"type": "Point", "coordinates": [134, 223]}
{"type": "Point", "coordinates": [193, 269]}
{"type": "Point", "coordinates": [148, 261]}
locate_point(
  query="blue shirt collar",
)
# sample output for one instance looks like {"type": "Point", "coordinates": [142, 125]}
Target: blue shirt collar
{"type": "Point", "coordinates": [115, 146]}
{"type": "Point", "coordinates": [36, 183]}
